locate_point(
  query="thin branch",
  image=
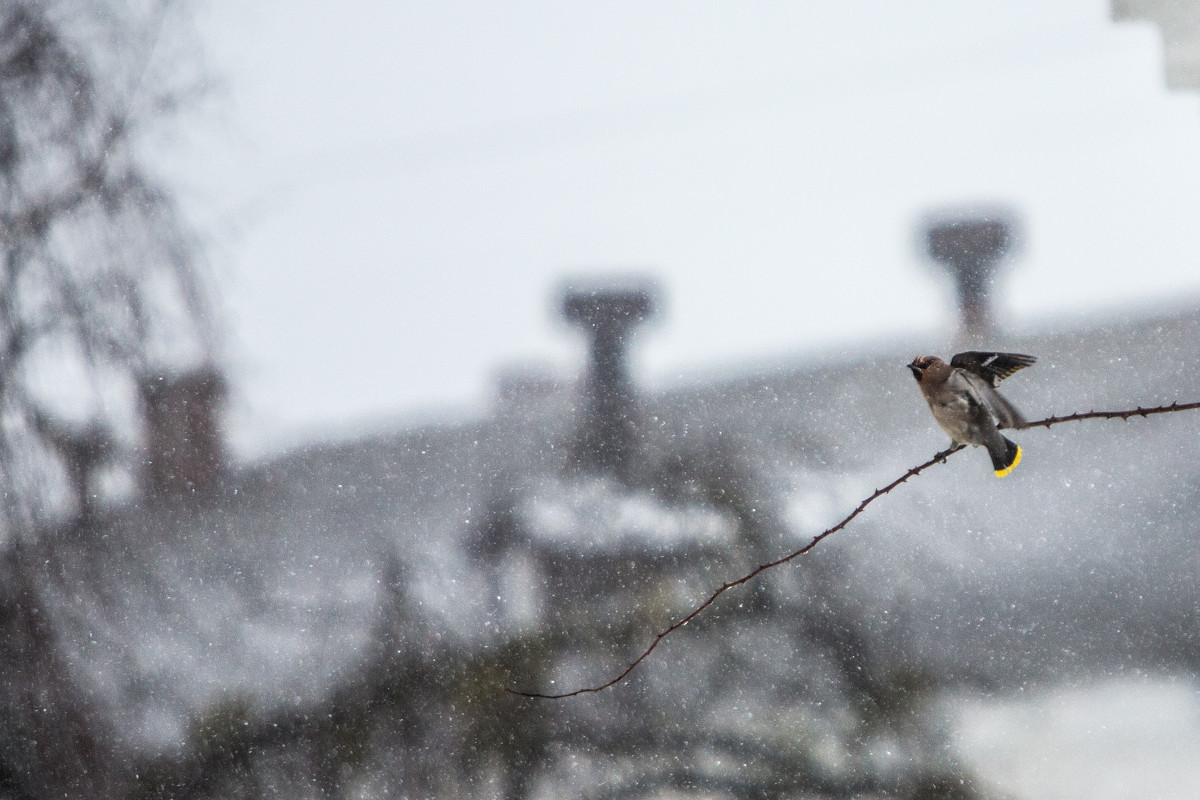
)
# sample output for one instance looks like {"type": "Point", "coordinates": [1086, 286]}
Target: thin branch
{"type": "Point", "coordinates": [1125, 415]}
{"type": "Point", "coordinates": [940, 457]}
{"type": "Point", "coordinates": [917, 470]}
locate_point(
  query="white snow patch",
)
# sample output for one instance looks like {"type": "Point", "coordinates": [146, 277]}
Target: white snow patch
{"type": "Point", "coordinates": [818, 500]}
{"type": "Point", "coordinates": [1104, 741]}
{"type": "Point", "coordinates": [597, 515]}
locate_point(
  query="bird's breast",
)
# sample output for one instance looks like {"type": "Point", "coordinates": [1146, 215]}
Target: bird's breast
{"type": "Point", "coordinates": [953, 416]}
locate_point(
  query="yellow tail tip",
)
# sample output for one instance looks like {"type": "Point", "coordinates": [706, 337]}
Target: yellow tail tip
{"type": "Point", "coordinates": [1000, 473]}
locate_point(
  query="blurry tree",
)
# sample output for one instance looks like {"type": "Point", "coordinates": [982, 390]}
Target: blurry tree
{"type": "Point", "coordinates": [98, 278]}
{"type": "Point", "coordinates": [98, 286]}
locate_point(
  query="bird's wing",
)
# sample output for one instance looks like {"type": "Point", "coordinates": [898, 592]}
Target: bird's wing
{"type": "Point", "coordinates": [1003, 412]}
{"type": "Point", "coordinates": [974, 391]}
{"type": "Point", "coordinates": [992, 367]}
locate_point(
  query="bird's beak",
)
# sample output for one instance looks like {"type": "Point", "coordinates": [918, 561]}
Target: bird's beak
{"type": "Point", "coordinates": [916, 371]}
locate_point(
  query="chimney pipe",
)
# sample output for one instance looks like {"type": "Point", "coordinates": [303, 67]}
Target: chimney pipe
{"type": "Point", "coordinates": [607, 316]}
{"type": "Point", "coordinates": [970, 246]}
{"type": "Point", "coordinates": [184, 451]}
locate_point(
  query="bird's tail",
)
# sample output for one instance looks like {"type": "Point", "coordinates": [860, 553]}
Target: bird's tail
{"type": "Point", "coordinates": [1005, 456]}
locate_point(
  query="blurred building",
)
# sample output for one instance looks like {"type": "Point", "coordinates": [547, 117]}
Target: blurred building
{"type": "Point", "coordinates": [347, 615]}
{"type": "Point", "coordinates": [1179, 24]}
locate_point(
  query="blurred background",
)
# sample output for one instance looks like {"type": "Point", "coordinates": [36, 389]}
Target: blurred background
{"type": "Point", "coordinates": [391, 193]}
{"type": "Point", "coordinates": [361, 361]}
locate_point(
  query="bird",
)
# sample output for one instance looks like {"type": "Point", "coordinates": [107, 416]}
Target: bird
{"type": "Point", "coordinates": [963, 398]}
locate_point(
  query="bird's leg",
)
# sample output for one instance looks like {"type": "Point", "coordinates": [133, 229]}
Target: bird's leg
{"type": "Point", "coordinates": [952, 449]}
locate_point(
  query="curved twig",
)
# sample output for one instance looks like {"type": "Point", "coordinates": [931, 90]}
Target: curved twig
{"type": "Point", "coordinates": [917, 470]}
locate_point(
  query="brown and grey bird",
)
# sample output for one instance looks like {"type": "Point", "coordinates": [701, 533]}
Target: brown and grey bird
{"type": "Point", "coordinates": [963, 398]}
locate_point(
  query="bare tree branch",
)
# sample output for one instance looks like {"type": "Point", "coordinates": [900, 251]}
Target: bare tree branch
{"type": "Point", "coordinates": [99, 278]}
{"type": "Point", "coordinates": [917, 470]}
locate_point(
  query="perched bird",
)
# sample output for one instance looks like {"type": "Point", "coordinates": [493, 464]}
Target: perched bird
{"type": "Point", "coordinates": [964, 401]}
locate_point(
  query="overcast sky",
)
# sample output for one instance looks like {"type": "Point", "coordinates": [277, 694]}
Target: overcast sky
{"type": "Point", "coordinates": [392, 191]}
